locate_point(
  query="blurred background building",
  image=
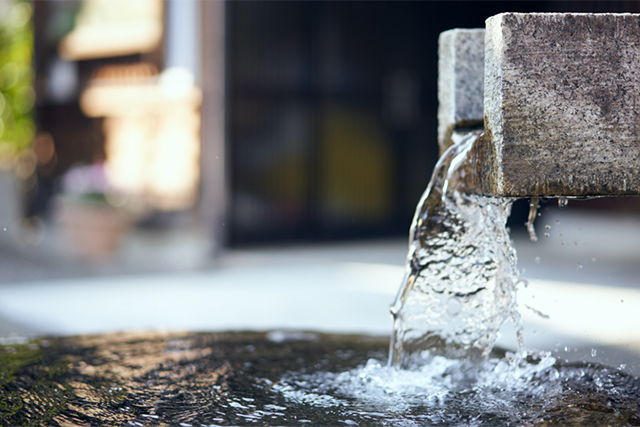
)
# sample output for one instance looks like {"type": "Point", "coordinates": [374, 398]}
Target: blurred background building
{"type": "Point", "coordinates": [242, 122]}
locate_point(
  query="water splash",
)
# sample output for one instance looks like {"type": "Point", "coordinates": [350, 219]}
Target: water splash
{"type": "Point", "coordinates": [518, 389]}
{"type": "Point", "coordinates": [432, 384]}
{"type": "Point", "coordinates": [461, 275]}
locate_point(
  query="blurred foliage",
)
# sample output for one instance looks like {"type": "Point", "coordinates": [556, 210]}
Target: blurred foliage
{"type": "Point", "coordinates": [17, 96]}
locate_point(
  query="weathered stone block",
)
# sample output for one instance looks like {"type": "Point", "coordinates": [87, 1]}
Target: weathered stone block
{"type": "Point", "coordinates": [460, 82]}
{"type": "Point", "coordinates": [562, 105]}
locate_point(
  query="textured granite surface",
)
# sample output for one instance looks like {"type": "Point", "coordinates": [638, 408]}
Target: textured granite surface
{"type": "Point", "coordinates": [562, 105]}
{"type": "Point", "coordinates": [460, 82]}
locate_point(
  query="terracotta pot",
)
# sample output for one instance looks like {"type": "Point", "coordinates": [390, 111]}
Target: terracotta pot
{"type": "Point", "coordinates": [90, 229]}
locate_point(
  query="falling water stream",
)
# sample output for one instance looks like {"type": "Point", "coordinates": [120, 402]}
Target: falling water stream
{"type": "Point", "coordinates": [443, 369]}
{"type": "Point", "coordinates": [460, 283]}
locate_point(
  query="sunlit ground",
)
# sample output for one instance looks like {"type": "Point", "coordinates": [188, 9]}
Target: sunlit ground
{"type": "Point", "coordinates": [583, 291]}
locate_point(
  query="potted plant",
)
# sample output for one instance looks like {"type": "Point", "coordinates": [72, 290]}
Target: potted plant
{"type": "Point", "coordinates": [89, 214]}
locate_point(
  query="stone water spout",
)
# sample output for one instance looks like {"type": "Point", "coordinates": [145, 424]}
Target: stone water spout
{"type": "Point", "coordinates": [536, 105]}
{"type": "Point", "coordinates": [558, 95]}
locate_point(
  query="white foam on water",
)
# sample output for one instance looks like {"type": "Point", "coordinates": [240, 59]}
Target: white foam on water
{"type": "Point", "coordinates": [441, 389]}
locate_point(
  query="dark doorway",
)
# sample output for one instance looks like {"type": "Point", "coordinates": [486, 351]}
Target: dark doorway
{"type": "Point", "coordinates": [332, 113]}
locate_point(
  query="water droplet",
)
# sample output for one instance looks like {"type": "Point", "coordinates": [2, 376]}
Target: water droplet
{"type": "Point", "coordinates": [578, 265]}
{"type": "Point", "coordinates": [575, 243]}
{"type": "Point", "coordinates": [560, 234]}
{"type": "Point", "coordinates": [533, 209]}
{"type": "Point", "coordinates": [547, 226]}
{"type": "Point", "coordinates": [216, 157]}
{"type": "Point", "coordinates": [537, 260]}
{"type": "Point", "coordinates": [4, 229]}
{"type": "Point", "coordinates": [593, 352]}
{"type": "Point", "coordinates": [566, 349]}
{"type": "Point", "coordinates": [562, 202]}
{"type": "Point", "coordinates": [622, 366]}
{"type": "Point", "coordinates": [621, 300]}
{"type": "Point", "coordinates": [546, 234]}
{"type": "Point", "coordinates": [558, 222]}
{"type": "Point", "coordinates": [593, 259]}
{"type": "Point", "coordinates": [562, 243]}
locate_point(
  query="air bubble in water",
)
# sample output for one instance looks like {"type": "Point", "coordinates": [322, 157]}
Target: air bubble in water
{"type": "Point", "coordinates": [562, 202]}
{"type": "Point", "coordinates": [578, 265]}
{"type": "Point", "coordinates": [537, 260]}
{"type": "Point", "coordinates": [593, 352]}
{"type": "Point", "coordinates": [454, 306]}
{"type": "Point", "coordinates": [547, 226]}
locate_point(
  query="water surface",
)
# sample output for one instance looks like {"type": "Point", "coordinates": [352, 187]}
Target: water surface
{"type": "Point", "coordinates": [293, 379]}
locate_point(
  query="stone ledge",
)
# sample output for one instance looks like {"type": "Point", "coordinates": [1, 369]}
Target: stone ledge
{"type": "Point", "coordinates": [460, 82]}
{"type": "Point", "coordinates": [562, 105]}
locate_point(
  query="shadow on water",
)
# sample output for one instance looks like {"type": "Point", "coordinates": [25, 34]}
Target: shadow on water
{"type": "Point", "coordinates": [286, 378]}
